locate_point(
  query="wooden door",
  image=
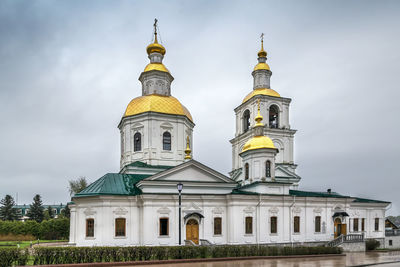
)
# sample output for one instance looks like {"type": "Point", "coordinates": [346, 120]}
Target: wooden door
{"type": "Point", "coordinates": [192, 231]}
{"type": "Point", "coordinates": [344, 229]}
{"type": "Point", "coordinates": [338, 227]}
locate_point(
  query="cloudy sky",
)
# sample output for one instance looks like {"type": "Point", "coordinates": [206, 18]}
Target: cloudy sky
{"type": "Point", "coordinates": [69, 68]}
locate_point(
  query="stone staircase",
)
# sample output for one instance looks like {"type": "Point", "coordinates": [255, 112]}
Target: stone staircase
{"type": "Point", "coordinates": [350, 242]}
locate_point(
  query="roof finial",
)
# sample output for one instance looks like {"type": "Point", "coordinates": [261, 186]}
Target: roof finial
{"type": "Point", "coordinates": [262, 53]}
{"type": "Point", "coordinates": [262, 41]}
{"type": "Point", "coordinates": [188, 150]}
{"type": "Point", "coordinates": [258, 118]}
{"type": "Point", "coordinates": [155, 31]}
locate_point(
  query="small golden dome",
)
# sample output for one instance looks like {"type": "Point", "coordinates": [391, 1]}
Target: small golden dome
{"type": "Point", "coordinates": [258, 142]}
{"type": "Point", "coordinates": [156, 66]}
{"type": "Point", "coordinates": [262, 66]}
{"type": "Point", "coordinates": [188, 150]}
{"type": "Point", "coordinates": [155, 48]}
{"type": "Point", "coordinates": [262, 53]}
{"type": "Point", "coordinates": [157, 103]}
{"type": "Point", "coordinates": [261, 91]}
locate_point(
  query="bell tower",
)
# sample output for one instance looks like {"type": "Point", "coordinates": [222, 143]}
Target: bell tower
{"type": "Point", "coordinates": [275, 109]}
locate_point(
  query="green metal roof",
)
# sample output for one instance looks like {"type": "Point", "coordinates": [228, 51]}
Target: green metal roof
{"type": "Point", "coordinates": [145, 165]}
{"type": "Point", "coordinates": [366, 200]}
{"type": "Point", "coordinates": [114, 184]}
{"type": "Point", "coordinates": [315, 194]}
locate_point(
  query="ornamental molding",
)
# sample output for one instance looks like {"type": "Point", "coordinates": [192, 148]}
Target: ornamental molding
{"type": "Point", "coordinates": [296, 209]}
{"type": "Point", "coordinates": [89, 211]}
{"type": "Point", "coordinates": [317, 210]}
{"type": "Point", "coordinates": [217, 210]}
{"type": "Point", "coordinates": [137, 127]}
{"type": "Point", "coordinates": [248, 209]}
{"type": "Point", "coordinates": [273, 210]}
{"type": "Point", "coordinates": [120, 211]}
{"type": "Point", "coordinates": [164, 210]}
{"type": "Point", "coordinates": [192, 207]}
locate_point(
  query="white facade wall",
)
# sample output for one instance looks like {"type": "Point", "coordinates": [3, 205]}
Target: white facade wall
{"type": "Point", "coordinates": [143, 212]}
{"type": "Point", "coordinates": [151, 126]}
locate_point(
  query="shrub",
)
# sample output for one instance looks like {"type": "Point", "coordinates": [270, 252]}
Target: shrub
{"type": "Point", "coordinates": [13, 256]}
{"type": "Point", "coordinates": [64, 255]}
{"type": "Point", "coordinates": [372, 244]}
{"type": "Point", "coordinates": [25, 231]}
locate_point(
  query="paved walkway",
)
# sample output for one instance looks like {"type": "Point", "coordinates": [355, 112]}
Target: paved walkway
{"type": "Point", "coordinates": [351, 259]}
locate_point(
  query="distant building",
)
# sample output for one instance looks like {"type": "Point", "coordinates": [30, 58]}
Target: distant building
{"type": "Point", "coordinates": [23, 210]}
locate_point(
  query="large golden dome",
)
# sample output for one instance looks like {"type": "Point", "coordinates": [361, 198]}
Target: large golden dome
{"type": "Point", "coordinates": [258, 142]}
{"type": "Point", "coordinates": [261, 91]}
{"type": "Point", "coordinates": [157, 103]}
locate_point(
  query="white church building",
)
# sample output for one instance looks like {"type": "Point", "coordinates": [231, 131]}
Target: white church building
{"type": "Point", "coordinates": [259, 202]}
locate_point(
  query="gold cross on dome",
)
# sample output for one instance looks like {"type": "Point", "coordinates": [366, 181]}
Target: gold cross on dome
{"type": "Point", "coordinates": [155, 26]}
{"type": "Point", "coordinates": [262, 37]}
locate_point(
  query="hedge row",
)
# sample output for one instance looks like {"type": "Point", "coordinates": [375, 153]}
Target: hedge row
{"type": "Point", "coordinates": [13, 256]}
{"type": "Point", "coordinates": [49, 229]}
{"type": "Point", "coordinates": [47, 255]}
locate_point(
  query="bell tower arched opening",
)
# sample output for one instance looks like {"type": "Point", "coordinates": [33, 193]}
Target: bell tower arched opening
{"type": "Point", "coordinates": [246, 120]}
{"type": "Point", "coordinates": [273, 116]}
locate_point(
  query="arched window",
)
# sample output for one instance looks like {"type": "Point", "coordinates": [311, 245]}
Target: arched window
{"type": "Point", "coordinates": [268, 168]}
{"type": "Point", "coordinates": [273, 116]}
{"type": "Point", "coordinates": [246, 171]}
{"type": "Point", "coordinates": [137, 142]}
{"type": "Point", "coordinates": [166, 141]}
{"type": "Point", "coordinates": [246, 120]}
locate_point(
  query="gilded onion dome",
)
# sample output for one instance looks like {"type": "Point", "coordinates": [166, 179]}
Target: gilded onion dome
{"type": "Point", "coordinates": [157, 103]}
{"type": "Point", "coordinates": [261, 74]}
{"type": "Point", "coordinates": [259, 141]}
{"type": "Point", "coordinates": [262, 54]}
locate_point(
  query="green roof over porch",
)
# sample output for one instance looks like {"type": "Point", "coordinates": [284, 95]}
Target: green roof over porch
{"type": "Point", "coordinates": [114, 184]}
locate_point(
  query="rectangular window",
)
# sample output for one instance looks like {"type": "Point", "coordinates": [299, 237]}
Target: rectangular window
{"type": "Point", "coordinates": [249, 225]}
{"type": "Point", "coordinates": [318, 224]}
{"type": "Point", "coordinates": [120, 226]}
{"type": "Point", "coordinates": [90, 228]}
{"type": "Point", "coordinates": [376, 224]}
{"type": "Point", "coordinates": [217, 226]}
{"type": "Point", "coordinates": [363, 224]}
{"type": "Point", "coordinates": [390, 242]}
{"type": "Point", "coordinates": [296, 224]}
{"type": "Point", "coordinates": [274, 225]}
{"type": "Point", "coordinates": [355, 225]}
{"type": "Point", "coordinates": [164, 225]}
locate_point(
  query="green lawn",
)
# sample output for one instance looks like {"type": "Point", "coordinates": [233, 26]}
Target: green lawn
{"type": "Point", "coordinates": [24, 244]}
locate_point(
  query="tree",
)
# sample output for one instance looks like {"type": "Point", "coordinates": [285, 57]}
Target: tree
{"type": "Point", "coordinates": [49, 213]}
{"type": "Point", "coordinates": [36, 209]}
{"type": "Point", "coordinates": [66, 212]}
{"type": "Point", "coordinates": [7, 210]}
{"type": "Point", "coordinates": [76, 186]}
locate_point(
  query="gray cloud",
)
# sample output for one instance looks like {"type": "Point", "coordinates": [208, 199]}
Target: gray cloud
{"type": "Point", "coordinates": [68, 70]}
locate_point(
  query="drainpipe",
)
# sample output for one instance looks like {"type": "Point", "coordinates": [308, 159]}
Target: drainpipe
{"type": "Point", "coordinates": [290, 219]}
{"type": "Point", "coordinates": [258, 219]}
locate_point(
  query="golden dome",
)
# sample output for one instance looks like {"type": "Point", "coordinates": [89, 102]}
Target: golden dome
{"type": "Point", "coordinates": [262, 52]}
{"type": "Point", "coordinates": [157, 103]}
{"type": "Point", "coordinates": [258, 142]}
{"type": "Point", "coordinates": [262, 66]}
{"type": "Point", "coordinates": [261, 91]}
{"type": "Point", "coordinates": [155, 48]}
{"type": "Point", "coordinates": [156, 66]}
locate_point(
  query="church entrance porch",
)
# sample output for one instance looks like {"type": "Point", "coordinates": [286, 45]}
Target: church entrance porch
{"type": "Point", "coordinates": [192, 231]}
{"type": "Point", "coordinates": [340, 229]}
